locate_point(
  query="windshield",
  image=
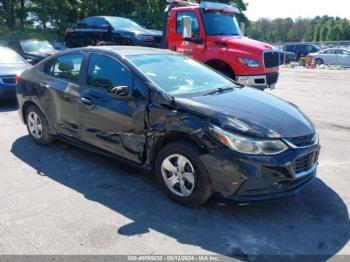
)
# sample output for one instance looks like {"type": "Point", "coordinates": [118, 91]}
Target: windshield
{"type": "Point", "coordinates": [180, 76]}
{"type": "Point", "coordinates": [124, 23]}
{"type": "Point", "coordinates": [218, 23]}
{"type": "Point", "coordinates": [10, 57]}
{"type": "Point", "coordinates": [36, 46]}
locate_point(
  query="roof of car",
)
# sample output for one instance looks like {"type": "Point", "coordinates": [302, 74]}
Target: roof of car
{"type": "Point", "coordinates": [124, 50]}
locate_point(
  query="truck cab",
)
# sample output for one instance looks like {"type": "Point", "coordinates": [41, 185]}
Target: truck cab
{"type": "Point", "coordinates": [209, 32]}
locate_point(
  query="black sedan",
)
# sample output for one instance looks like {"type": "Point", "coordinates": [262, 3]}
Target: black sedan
{"type": "Point", "coordinates": [196, 129]}
{"type": "Point", "coordinates": [109, 30]}
{"type": "Point", "coordinates": [31, 49]}
{"type": "Point", "coordinates": [11, 66]}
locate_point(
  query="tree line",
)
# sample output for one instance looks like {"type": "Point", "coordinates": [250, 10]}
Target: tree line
{"type": "Point", "coordinates": [318, 29]}
{"type": "Point", "coordinates": [50, 18]}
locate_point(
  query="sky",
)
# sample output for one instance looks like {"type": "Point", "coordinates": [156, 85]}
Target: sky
{"type": "Point", "coordinates": [295, 8]}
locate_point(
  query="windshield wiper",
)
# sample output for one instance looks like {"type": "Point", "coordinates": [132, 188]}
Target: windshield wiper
{"type": "Point", "coordinates": [219, 90]}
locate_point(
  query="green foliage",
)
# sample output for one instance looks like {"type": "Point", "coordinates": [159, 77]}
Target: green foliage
{"type": "Point", "coordinates": [301, 29]}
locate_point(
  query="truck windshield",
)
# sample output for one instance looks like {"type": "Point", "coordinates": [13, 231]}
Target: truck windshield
{"type": "Point", "coordinates": [218, 23]}
{"type": "Point", "coordinates": [180, 76]}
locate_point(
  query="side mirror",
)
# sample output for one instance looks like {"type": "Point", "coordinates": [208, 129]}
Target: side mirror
{"type": "Point", "coordinates": [119, 91]}
{"type": "Point", "coordinates": [186, 27]}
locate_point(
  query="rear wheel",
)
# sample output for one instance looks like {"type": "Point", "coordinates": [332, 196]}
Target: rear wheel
{"type": "Point", "coordinates": [38, 126]}
{"type": "Point", "coordinates": [181, 174]}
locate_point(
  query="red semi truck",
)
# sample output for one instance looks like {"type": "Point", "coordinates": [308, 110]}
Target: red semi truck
{"type": "Point", "coordinates": [209, 32]}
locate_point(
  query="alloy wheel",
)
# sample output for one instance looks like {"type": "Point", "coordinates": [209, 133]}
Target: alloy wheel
{"type": "Point", "coordinates": [179, 175]}
{"type": "Point", "coordinates": [35, 126]}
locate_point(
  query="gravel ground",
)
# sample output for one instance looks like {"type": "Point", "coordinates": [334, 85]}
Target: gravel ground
{"type": "Point", "coordinates": [63, 200]}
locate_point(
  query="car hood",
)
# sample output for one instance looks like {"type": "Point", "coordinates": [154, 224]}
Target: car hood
{"type": "Point", "coordinates": [244, 43]}
{"type": "Point", "coordinates": [13, 69]}
{"type": "Point", "coordinates": [251, 112]}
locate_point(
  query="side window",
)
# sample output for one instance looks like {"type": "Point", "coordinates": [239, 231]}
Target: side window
{"type": "Point", "coordinates": [66, 67]}
{"type": "Point", "coordinates": [331, 52]}
{"type": "Point", "coordinates": [105, 73]}
{"type": "Point", "coordinates": [195, 24]}
{"type": "Point", "coordinates": [85, 23]}
{"type": "Point", "coordinates": [342, 52]}
{"type": "Point", "coordinates": [99, 22]}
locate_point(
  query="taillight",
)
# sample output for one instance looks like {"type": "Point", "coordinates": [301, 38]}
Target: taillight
{"type": "Point", "coordinates": [17, 78]}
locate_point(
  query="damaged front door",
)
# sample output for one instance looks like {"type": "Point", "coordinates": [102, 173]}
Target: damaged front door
{"type": "Point", "coordinates": [112, 118]}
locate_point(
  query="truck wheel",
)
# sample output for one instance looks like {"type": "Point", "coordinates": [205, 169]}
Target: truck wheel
{"type": "Point", "coordinates": [181, 174]}
{"type": "Point", "coordinates": [38, 127]}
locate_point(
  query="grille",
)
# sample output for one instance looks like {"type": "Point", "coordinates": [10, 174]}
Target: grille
{"type": "Point", "coordinates": [302, 141]}
{"type": "Point", "coordinates": [11, 80]}
{"type": "Point", "coordinates": [271, 59]}
{"type": "Point", "coordinates": [271, 79]}
{"type": "Point", "coordinates": [305, 163]}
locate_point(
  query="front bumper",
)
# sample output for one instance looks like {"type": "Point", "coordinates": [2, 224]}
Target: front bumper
{"type": "Point", "coordinates": [252, 178]}
{"type": "Point", "coordinates": [259, 81]}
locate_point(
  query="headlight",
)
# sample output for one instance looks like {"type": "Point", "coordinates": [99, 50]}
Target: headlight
{"type": "Point", "coordinates": [249, 62]}
{"type": "Point", "coordinates": [247, 145]}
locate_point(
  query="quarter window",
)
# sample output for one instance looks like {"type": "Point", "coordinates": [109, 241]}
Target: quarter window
{"type": "Point", "coordinates": [179, 23]}
{"type": "Point", "coordinates": [105, 73]}
{"type": "Point", "coordinates": [66, 67]}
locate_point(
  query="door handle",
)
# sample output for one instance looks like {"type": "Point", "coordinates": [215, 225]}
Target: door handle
{"type": "Point", "coordinates": [86, 101]}
{"type": "Point", "coordinates": [44, 85]}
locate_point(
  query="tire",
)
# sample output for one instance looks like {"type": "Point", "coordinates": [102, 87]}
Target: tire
{"type": "Point", "coordinates": [198, 189]}
{"type": "Point", "coordinates": [37, 126]}
{"type": "Point", "coordinates": [319, 61]}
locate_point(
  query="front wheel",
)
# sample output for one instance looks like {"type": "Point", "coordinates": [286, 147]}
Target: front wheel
{"type": "Point", "coordinates": [38, 126]}
{"type": "Point", "coordinates": [182, 175]}
{"type": "Point", "coordinates": [319, 61]}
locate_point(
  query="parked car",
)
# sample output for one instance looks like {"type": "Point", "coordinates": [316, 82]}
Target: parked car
{"type": "Point", "coordinates": [107, 30]}
{"type": "Point", "coordinates": [332, 56]}
{"type": "Point", "coordinates": [199, 131]}
{"type": "Point", "coordinates": [287, 57]}
{"type": "Point", "coordinates": [32, 50]}
{"type": "Point", "coordinates": [11, 65]}
{"type": "Point", "coordinates": [302, 50]}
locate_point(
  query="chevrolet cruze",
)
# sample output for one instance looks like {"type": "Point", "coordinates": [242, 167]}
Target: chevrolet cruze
{"type": "Point", "coordinates": [197, 130]}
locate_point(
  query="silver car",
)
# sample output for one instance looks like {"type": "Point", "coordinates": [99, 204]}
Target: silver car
{"type": "Point", "coordinates": [332, 56]}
